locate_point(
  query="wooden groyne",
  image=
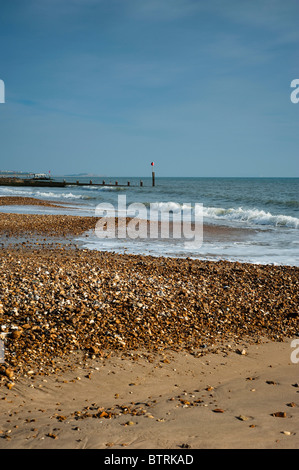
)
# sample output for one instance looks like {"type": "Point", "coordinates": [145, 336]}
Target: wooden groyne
{"type": "Point", "coordinates": [56, 184]}
{"type": "Point", "coordinates": [29, 182]}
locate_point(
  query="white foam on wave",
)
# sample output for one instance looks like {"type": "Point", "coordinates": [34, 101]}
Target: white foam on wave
{"type": "Point", "coordinates": [102, 188]}
{"type": "Point", "coordinates": [59, 195]}
{"type": "Point", "coordinates": [15, 192]}
{"type": "Point", "coordinates": [45, 194]}
{"type": "Point", "coordinates": [251, 216]}
{"type": "Point", "coordinates": [168, 206]}
{"type": "Point", "coordinates": [244, 252]}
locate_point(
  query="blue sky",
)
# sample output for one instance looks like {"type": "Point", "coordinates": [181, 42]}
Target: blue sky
{"type": "Point", "coordinates": [202, 88]}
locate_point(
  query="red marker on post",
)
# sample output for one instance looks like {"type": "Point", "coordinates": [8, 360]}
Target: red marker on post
{"type": "Point", "coordinates": [153, 175]}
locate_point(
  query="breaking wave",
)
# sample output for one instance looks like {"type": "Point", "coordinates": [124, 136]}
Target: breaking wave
{"type": "Point", "coordinates": [48, 194]}
{"type": "Point", "coordinates": [251, 216]}
{"type": "Point", "coordinates": [167, 206]}
{"type": "Point", "coordinates": [60, 196]}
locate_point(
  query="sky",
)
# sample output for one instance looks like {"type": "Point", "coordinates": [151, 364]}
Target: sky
{"type": "Point", "coordinates": [105, 87]}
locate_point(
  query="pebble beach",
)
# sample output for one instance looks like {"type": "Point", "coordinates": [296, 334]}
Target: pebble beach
{"type": "Point", "coordinates": [107, 350]}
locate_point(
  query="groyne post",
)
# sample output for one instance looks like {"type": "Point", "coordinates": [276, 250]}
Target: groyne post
{"type": "Point", "coordinates": [153, 174]}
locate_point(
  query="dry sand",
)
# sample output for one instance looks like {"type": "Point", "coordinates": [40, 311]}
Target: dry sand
{"type": "Point", "coordinates": [177, 400]}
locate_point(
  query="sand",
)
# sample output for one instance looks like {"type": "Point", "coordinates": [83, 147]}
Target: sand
{"type": "Point", "coordinates": [43, 413]}
{"type": "Point", "coordinates": [26, 201]}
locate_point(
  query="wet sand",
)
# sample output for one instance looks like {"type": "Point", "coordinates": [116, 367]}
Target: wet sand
{"type": "Point", "coordinates": [55, 225]}
{"type": "Point", "coordinates": [26, 201]}
{"type": "Point", "coordinates": [122, 351]}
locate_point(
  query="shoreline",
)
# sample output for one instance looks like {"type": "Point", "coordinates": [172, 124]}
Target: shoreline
{"type": "Point", "coordinates": [59, 227]}
{"type": "Point", "coordinates": [96, 340]}
{"type": "Point", "coordinates": [20, 224]}
{"type": "Point", "coordinates": [219, 242]}
{"type": "Point", "coordinates": [28, 201]}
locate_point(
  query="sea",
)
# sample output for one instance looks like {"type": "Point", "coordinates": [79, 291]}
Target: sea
{"type": "Point", "coordinates": [251, 220]}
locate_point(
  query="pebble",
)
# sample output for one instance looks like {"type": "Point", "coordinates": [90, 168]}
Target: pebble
{"type": "Point", "coordinates": [57, 301]}
{"type": "Point", "coordinates": [243, 418]}
{"type": "Point", "coordinates": [243, 352]}
{"type": "Point", "coordinates": [280, 414]}
{"type": "Point", "coordinates": [52, 435]}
